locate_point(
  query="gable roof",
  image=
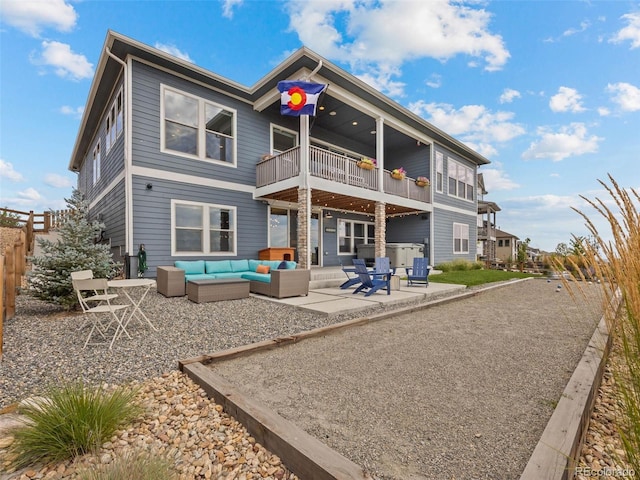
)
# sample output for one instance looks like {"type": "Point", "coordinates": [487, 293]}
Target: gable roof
{"type": "Point", "coordinates": [117, 48]}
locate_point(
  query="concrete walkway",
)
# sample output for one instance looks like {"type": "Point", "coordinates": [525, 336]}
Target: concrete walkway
{"type": "Point", "coordinates": [333, 300]}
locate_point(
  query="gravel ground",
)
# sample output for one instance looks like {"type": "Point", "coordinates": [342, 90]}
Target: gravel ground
{"type": "Point", "coordinates": [457, 391]}
{"type": "Point", "coordinates": [42, 343]}
{"type": "Point", "coordinates": [472, 391]}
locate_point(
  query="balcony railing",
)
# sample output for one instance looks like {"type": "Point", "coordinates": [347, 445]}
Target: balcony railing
{"type": "Point", "coordinates": [336, 168]}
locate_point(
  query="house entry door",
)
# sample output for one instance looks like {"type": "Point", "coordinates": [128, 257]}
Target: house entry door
{"type": "Point", "coordinates": [283, 231]}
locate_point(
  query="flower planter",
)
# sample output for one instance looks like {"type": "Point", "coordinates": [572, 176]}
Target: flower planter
{"type": "Point", "coordinates": [366, 166]}
{"type": "Point", "coordinates": [421, 184]}
{"type": "Point", "coordinates": [397, 176]}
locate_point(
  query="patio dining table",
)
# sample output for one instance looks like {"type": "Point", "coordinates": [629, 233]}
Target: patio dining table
{"type": "Point", "coordinates": [128, 286]}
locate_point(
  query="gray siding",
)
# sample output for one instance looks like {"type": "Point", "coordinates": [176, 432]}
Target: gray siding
{"type": "Point", "coordinates": [111, 162]}
{"type": "Point", "coordinates": [111, 209]}
{"type": "Point", "coordinates": [444, 198]}
{"type": "Point", "coordinates": [152, 219]}
{"type": "Point", "coordinates": [443, 233]}
{"type": "Point", "coordinates": [408, 229]}
{"type": "Point", "coordinates": [252, 129]}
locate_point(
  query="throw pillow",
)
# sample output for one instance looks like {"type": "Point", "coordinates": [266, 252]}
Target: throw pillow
{"type": "Point", "coordinates": [263, 269]}
{"type": "Point", "coordinates": [283, 265]}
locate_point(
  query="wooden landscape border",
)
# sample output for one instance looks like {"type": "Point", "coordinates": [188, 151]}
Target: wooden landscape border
{"type": "Point", "coordinates": [302, 453]}
{"type": "Point", "coordinates": [558, 450]}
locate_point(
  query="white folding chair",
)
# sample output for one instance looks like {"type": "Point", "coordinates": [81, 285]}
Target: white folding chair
{"type": "Point", "coordinates": [88, 296]}
{"type": "Point", "coordinates": [103, 315]}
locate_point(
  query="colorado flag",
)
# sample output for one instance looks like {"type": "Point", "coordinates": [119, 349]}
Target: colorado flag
{"type": "Point", "coordinates": [299, 98]}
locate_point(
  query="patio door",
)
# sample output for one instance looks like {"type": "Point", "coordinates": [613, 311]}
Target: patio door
{"type": "Point", "coordinates": [283, 231]}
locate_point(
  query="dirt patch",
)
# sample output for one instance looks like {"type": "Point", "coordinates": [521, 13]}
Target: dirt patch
{"type": "Point", "coordinates": [462, 390]}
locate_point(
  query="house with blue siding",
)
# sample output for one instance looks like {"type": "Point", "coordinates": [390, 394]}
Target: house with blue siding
{"type": "Point", "coordinates": [194, 165]}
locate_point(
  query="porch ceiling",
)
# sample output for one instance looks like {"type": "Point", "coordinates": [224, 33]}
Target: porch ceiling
{"type": "Point", "coordinates": [336, 201]}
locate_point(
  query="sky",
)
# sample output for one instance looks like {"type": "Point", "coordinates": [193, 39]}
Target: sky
{"type": "Point", "coordinates": [549, 91]}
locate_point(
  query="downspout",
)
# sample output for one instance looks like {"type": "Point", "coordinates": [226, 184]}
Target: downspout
{"type": "Point", "coordinates": [128, 215]}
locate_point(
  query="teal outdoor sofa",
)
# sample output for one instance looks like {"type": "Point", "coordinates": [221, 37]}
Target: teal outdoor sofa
{"type": "Point", "coordinates": [283, 280]}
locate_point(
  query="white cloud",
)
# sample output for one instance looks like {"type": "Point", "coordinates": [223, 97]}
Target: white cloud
{"type": "Point", "coordinates": [58, 181]}
{"type": "Point", "coordinates": [566, 100]}
{"type": "Point", "coordinates": [33, 15]}
{"type": "Point", "coordinates": [570, 140]}
{"type": "Point", "coordinates": [66, 63]}
{"type": "Point", "coordinates": [477, 126]}
{"type": "Point", "coordinates": [7, 171]}
{"type": "Point", "coordinates": [30, 194]}
{"type": "Point", "coordinates": [228, 6]}
{"type": "Point", "coordinates": [382, 80]}
{"type": "Point", "coordinates": [508, 95]}
{"type": "Point", "coordinates": [173, 50]}
{"type": "Point", "coordinates": [434, 81]}
{"type": "Point", "coordinates": [631, 32]}
{"type": "Point", "coordinates": [572, 31]}
{"type": "Point", "coordinates": [387, 34]}
{"type": "Point", "coordinates": [495, 178]}
{"type": "Point", "coordinates": [74, 112]}
{"type": "Point", "coordinates": [627, 96]}
{"type": "Point", "coordinates": [604, 111]}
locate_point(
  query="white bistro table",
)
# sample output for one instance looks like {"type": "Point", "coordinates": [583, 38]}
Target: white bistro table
{"type": "Point", "coordinates": [127, 286]}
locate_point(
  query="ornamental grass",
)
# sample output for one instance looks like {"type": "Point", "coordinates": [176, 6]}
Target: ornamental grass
{"type": "Point", "coordinates": [615, 263]}
{"type": "Point", "coordinates": [70, 420]}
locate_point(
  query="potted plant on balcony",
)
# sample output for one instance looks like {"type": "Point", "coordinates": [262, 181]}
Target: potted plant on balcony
{"type": "Point", "coordinates": [422, 182]}
{"type": "Point", "coordinates": [367, 163]}
{"type": "Point", "coordinates": [398, 173]}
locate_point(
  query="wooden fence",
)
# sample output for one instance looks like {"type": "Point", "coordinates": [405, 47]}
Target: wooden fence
{"type": "Point", "coordinates": [13, 262]}
{"type": "Point", "coordinates": [33, 223]}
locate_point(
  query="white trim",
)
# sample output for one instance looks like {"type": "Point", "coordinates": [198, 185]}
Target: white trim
{"type": "Point", "coordinates": [351, 221]}
{"type": "Point", "coordinates": [468, 171]}
{"type": "Point", "coordinates": [105, 191]}
{"type": "Point", "coordinates": [462, 227]}
{"type": "Point", "coordinates": [206, 228]}
{"type": "Point", "coordinates": [449, 208]}
{"type": "Point", "coordinates": [191, 179]}
{"type": "Point", "coordinates": [275, 126]}
{"type": "Point", "coordinates": [200, 128]}
{"type": "Point", "coordinates": [96, 163]}
{"type": "Point", "coordinates": [128, 156]}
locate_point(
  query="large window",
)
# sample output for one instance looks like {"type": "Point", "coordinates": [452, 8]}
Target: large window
{"type": "Point", "coordinates": [96, 160]}
{"type": "Point", "coordinates": [460, 238]}
{"type": "Point", "coordinates": [461, 182]}
{"type": "Point", "coordinates": [196, 127]}
{"type": "Point", "coordinates": [282, 139]}
{"type": "Point", "coordinates": [352, 233]}
{"type": "Point", "coordinates": [200, 228]}
{"type": "Point", "coordinates": [439, 171]}
{"type": "Point", "coordinates": [114, 122]}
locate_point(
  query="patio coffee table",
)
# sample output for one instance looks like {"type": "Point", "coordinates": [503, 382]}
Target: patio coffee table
{"type": "Point", "coordinates": [214, 290]}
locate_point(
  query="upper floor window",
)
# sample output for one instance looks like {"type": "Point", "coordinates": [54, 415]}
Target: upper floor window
{"type": "Point", "coordinates": [96, 162]}
{"type": "Point", "coordinates": [200, 228]}
{"type": "Point", "coordinates": [282, 139]}
{"type": "Point", "coordinates": [352, 233]}
{"type": "Point", "coordinates": [439, 171]}
{"type": "Point", "coordinates": [114, 122]}
{"type": "Point", "coordinates": [461, 182]}
{"type": "Point", "coordinates": [460, 238]}
{"type": "Point", "coordinates": [196, 127]}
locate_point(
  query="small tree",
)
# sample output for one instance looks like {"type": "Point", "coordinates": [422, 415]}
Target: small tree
{"type": "Point", "coordinates": [522, 253]}
{"type": "Point", "coordinates": [50, 277]}
{"type": "Point", "coordinates": [9, 219]}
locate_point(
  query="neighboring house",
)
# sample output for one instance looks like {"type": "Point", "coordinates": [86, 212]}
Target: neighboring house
{"type": "Point", "coordinates": [507, 247]}
{"type": "Point", "coordinates": [194, 165]}
{"type": "Point", "coordinates": [486, 248]}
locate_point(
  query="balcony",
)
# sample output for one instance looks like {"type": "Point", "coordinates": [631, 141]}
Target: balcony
{"type": "Point", "coordinates": [339, 169]}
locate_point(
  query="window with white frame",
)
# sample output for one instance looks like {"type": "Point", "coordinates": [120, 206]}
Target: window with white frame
{"type": "Point", "coordinates": [460, 238]}
{"type": "Point", "coordinates": [460, 180]}
{"type": "Point", "coordinates": [200, 228]}
{"type": "Point", "coordinates": [439, 171]}
{"type": "Point", "coordinates": [196, 127]}
{"type": "Point", "coordinates": [282, 139]}
{"type": "Point", "coordinates": [352, 233]}
{"type": "Point", "coordinates": [114, 122]}
{"type": "Point", "coordinates": [96, 162]}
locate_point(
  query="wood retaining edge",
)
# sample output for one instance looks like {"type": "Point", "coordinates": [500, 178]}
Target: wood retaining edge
{"type": "Point", "coordinates": [558, 450]}
{"type": "Point", "coordinates": [303, 454]}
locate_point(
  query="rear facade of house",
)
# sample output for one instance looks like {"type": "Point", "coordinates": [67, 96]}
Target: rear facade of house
{"type": "Point", "coordinates": [193, 165]}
